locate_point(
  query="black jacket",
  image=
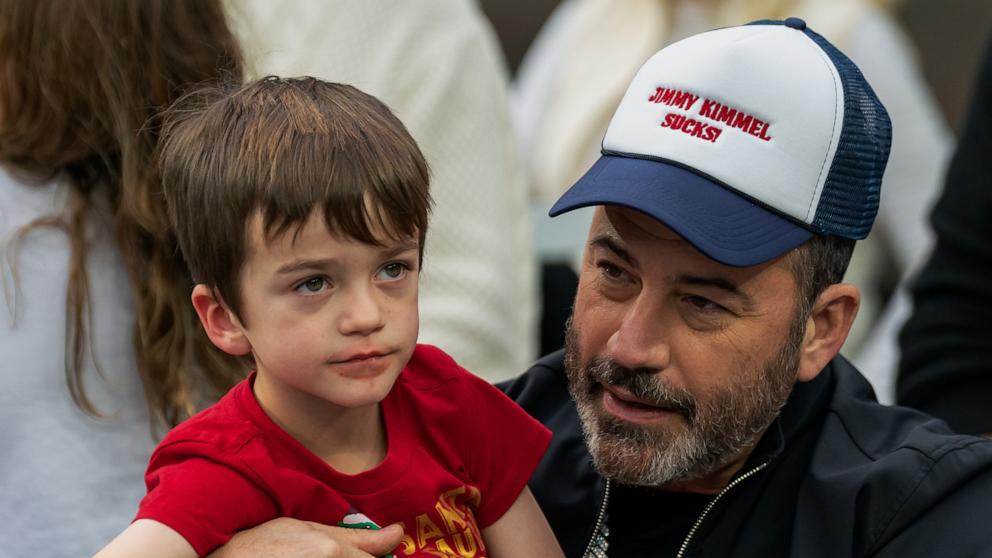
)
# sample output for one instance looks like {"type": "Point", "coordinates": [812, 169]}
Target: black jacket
{"type": "Point", "coordinates": [835, 475]}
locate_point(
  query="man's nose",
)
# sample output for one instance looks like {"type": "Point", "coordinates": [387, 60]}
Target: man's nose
{"type": "Point", "coordinates": [363, 313]}
{"type": "Point", "coordinates": [641, 341]}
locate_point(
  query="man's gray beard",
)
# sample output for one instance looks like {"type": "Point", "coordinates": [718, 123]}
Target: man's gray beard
{"type": "Point", "coordinates": [716, 432]}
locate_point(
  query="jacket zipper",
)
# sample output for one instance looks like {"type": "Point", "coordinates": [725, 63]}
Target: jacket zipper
{"type": "Point", "coordinates": [599, 522]}
{"type": "Point", "coordinates": [706, 510]}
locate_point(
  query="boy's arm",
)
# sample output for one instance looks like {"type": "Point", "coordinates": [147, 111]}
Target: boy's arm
{"type": "Point", "coordinates": [522, 531]}
{"type": "Point", "coordinates": [149, 539]}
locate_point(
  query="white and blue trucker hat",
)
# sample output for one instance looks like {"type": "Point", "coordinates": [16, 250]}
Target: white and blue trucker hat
{"type": "Point", "coordinates": [746, 141]}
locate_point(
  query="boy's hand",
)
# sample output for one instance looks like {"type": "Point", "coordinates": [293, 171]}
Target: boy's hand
{"type": "Point", "coordinates": [285, 537]}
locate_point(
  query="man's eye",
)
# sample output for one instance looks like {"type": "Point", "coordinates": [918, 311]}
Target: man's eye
{"type": "Point", "coordinates": [392, 271]}
{"type": "Point", "coordinates": [704, 304]}
{"type": "Point", "coordinates": [312, 285]}
{"type": "Point", "coordinates": [610, 271]}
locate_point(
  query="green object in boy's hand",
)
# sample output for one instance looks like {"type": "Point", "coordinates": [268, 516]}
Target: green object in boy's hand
{"type": "Point", "coordinates": [358, 520]}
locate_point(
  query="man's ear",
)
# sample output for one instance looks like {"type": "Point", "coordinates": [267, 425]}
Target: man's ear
{"type": "Point", "coordinates": [223, 327]}
{"type": "Point", "coordinates": [827, 328]}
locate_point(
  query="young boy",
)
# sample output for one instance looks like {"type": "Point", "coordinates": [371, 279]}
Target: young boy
{"type": "Point", "coordinates": [301, 208]}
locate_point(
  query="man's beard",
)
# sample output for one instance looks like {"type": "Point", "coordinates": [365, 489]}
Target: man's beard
{"type": "Point", "coordinates": [715, 432]}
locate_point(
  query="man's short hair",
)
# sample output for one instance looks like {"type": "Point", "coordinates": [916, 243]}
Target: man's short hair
{"type": "Point", "coordinates": [284, 148]}
{"type": "Point", "coordinates": [816, 264]}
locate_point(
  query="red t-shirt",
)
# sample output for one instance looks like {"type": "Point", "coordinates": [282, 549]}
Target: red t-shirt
{"type": "Point", "coordinates": [459, 454]}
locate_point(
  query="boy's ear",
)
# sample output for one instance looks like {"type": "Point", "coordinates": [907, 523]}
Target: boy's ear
{"type": "Point", "coordinates": [827, 328]}
{"type": "Point", "coordinates": [222, 326]}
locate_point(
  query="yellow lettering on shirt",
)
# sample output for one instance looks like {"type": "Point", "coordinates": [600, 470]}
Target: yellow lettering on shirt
{"type": "Point", "coordinates": [452, 533]}
{"type": "Point", "coordinates": [427, 530]}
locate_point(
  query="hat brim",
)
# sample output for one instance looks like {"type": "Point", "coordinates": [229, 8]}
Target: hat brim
{"type": "Point", "coordinates": [718, 222]}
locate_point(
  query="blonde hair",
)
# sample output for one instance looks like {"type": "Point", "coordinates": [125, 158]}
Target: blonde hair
{"type": "Point", "coordinates": [80, 82]}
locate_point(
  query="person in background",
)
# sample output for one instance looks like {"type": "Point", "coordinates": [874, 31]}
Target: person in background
{"type": "Point", "coordinates": [96, 332]}
{"type": "Point", "coordinates": [437, 66]}
{"type": "Point", "coordinates": [945, 365]}
{"type": "Point", "coordinates": [561, 119]}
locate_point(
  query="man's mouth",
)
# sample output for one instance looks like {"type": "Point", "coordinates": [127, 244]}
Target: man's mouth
{"type": "Point", "coordinates": [625, 405]}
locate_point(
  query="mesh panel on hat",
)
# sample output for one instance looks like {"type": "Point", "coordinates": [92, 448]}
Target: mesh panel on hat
{"type": "Point", "coordinates": [850, 196]}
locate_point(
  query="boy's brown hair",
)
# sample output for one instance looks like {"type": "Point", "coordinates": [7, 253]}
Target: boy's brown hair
{"type": "Point", "coordinates": [285, 148]}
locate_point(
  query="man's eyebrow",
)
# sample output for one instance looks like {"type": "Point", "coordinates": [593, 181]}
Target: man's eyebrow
{"type": "Point", "coordinates": [608, 242]}
{"type": "Point", "coordinates": [715, 282]}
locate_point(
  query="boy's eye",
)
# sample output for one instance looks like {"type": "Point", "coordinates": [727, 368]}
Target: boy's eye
{"type": "Point", "coordinates": [313, 285]}
{"type": "Point", "coordinates": [392, 271]}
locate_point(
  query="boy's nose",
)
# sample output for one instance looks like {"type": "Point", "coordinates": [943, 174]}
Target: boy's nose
{"type": "Point", "coordinates": [363, 314]}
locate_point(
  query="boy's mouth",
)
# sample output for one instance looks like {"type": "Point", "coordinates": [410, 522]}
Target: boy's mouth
{"type": "Point", "coordinates": [359, 357]}
{"type": "Point", "coordinates": [362, 365]}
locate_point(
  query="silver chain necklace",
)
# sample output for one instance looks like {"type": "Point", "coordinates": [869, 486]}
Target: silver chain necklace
{"type": "Point", "coordinates": [600, 543]}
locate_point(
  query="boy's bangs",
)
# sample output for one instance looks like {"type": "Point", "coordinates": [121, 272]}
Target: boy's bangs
{"type": "Point", "coordinates": [360, 199]}
{"type": "Point", "coordinates": [369, 181]}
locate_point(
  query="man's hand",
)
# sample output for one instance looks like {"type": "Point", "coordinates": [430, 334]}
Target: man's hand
{"type": "Point", "coordinates": [292, 538]}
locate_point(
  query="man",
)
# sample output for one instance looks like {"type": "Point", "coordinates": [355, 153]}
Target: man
{"type": "Point", "coordinates": [702, 355]}
{"type": "Point", "coordinates": [700, 407]}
